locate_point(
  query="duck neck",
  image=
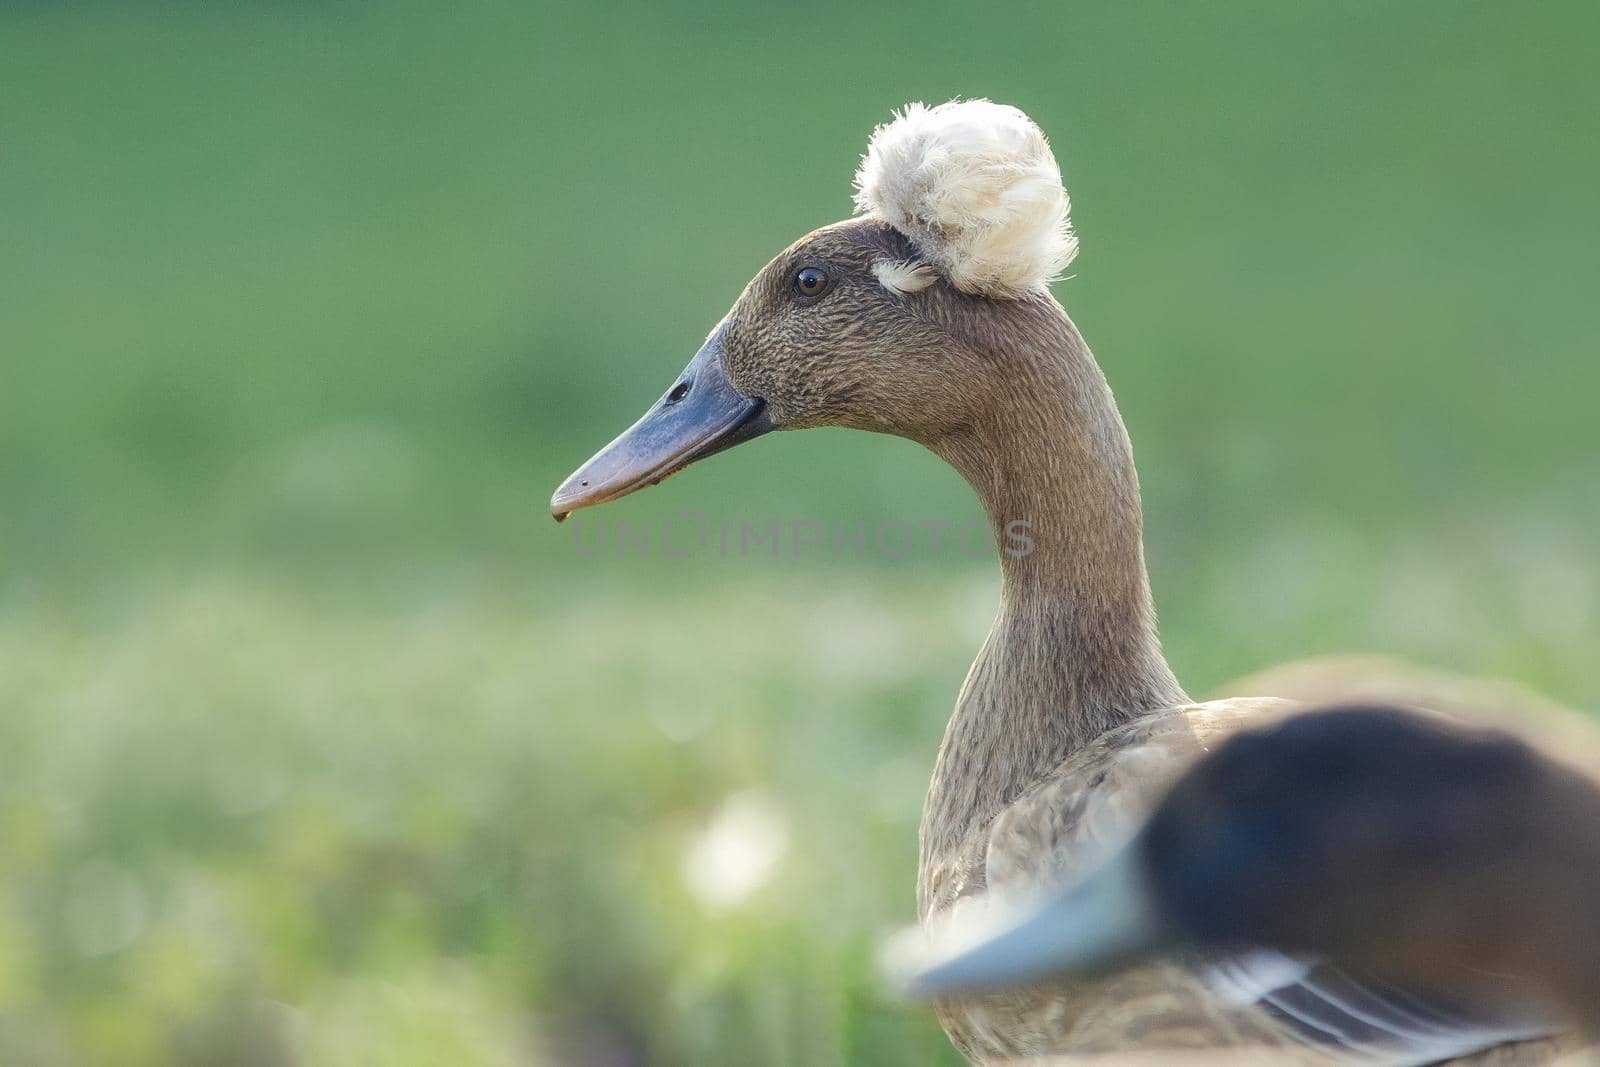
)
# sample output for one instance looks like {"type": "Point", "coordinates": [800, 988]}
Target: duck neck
{"type": "Point", "coordinates": [1073, 651]}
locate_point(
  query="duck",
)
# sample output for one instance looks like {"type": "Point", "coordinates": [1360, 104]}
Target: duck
{"type": "Point", "coordinates": [927, 314]}
{"type": "Point", "coordinates": [1397, 842]}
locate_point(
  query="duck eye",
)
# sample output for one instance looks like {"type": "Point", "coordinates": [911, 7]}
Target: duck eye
{"type": "Point", "coordinates": [810, 281]}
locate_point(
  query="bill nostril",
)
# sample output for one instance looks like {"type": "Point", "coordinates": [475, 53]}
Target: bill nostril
{"type": "Point", "coordinates": [678, 392]}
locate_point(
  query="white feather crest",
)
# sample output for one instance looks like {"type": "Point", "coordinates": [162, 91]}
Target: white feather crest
{"type": "Point", "coordinates": [973, 183]}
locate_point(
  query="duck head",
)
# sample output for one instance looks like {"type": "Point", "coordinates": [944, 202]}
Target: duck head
{"type": "Point", "coordinates": [895, 321]}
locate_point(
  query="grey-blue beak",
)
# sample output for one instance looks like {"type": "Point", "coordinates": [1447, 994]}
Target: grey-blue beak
{"type": "Point", "coordinates": [701, 415]}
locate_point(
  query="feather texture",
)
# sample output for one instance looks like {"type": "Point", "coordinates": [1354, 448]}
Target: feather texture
{"type": "Point", "coordinates": [1305, 1010]}
{"type": "Point", "coordinates": [975, 186]}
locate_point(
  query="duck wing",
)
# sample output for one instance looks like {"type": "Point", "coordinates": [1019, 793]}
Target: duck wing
{"type": "Point", "coordinates": [1356, 1018]}
{"type": "Point", "coordinates": [1304, 1009]}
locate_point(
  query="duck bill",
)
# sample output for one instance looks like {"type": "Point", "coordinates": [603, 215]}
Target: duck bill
{"type": "Point", "coordinates": [701, 415]}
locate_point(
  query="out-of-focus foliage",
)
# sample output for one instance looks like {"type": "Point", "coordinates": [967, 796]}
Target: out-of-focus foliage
{"type": "Point", "coordinates": [320, 744]}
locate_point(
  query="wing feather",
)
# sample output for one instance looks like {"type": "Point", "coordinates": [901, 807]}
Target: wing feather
{"type": "Point", "coordinates": [1094, 801]}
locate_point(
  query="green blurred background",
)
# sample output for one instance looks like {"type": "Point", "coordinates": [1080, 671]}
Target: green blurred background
{"type": "Point", "coordinates": [320, 743]}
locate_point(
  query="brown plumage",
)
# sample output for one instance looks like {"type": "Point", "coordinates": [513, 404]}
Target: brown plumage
{"type": "Point", "coordinates": [1410, 845]}
{"type": "Point", "coordinates": [1070, 720]}
{"type": "Point", "coordinates": [1405, 845]}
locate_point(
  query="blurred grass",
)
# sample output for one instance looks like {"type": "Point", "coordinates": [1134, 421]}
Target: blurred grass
{"type": "Point", "coordinates": [320, 744]}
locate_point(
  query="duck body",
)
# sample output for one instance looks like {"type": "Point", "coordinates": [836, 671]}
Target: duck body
{"type": "Point", "coordinates": [1300, 1009]}
{"type": "Point", "coordinates": [1446, 856]}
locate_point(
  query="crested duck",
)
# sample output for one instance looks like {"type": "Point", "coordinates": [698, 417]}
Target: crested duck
{"type": "Point", "coordinates": [1396, 843]}
{"type": "Point", "coordinates": [928, 315]}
